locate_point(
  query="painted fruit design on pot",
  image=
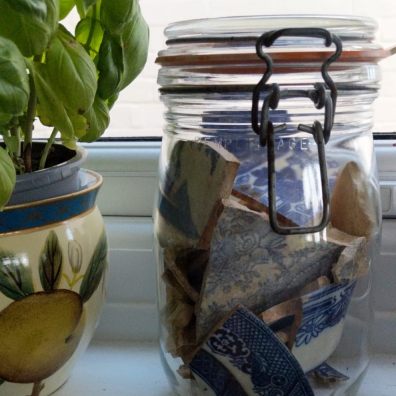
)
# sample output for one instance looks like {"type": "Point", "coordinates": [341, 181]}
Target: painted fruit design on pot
{"type": "Point", "coordinates": [40, 330]}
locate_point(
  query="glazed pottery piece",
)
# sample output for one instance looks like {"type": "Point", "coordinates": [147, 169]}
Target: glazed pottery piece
{"type": "Point", "coordinates": [62, 175]}
{"type": "Point", "coordinates": [234, 360]}
{"type": "Point", "coordinates": [53, 258]}
{"type": "Point", "coordinates": [322, 324]}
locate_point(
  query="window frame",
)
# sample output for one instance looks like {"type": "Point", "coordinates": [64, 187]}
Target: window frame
{"type": "Point", "coordinates": [130, 166]}
{"type": "Point", "coordinates": [129, 169]}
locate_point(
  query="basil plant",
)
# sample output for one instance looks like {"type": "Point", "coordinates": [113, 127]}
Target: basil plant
{"type": "Point", "coordinates": [69, 80]}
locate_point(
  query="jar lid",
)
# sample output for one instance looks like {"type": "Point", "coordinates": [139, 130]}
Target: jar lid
{"type": "Point", "coordinates": [362, 28]}
{"type": "Point", "coordinates": [220, 42]}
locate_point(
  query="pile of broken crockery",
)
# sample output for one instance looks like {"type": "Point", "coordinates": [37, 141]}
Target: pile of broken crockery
{"type": "Point", "coordinates": [236, 293]}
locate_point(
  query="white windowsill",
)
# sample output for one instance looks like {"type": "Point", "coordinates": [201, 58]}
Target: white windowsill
{"type": "Point", "coordinates": [129, 170]}
{"type": "Point", "coordinates": [118, 369]}
{"type": "Point", "coordinates": [131, 369]}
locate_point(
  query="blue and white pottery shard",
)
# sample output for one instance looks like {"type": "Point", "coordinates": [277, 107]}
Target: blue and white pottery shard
{"type": "Point", "coordinates": [198, 176]}
{"type": "Point", "coordinates": [296, 169]}
{"type": "Point", "coordinates": [327, 374]}
{"type": "Point", "coordinates": [322, 324]}
{"type": "Point", "coordinates": [251, 265]}
{"type": "Point", "coordinates": [353, 262]}
{"type": "Point", "coordinates": [244, 357]}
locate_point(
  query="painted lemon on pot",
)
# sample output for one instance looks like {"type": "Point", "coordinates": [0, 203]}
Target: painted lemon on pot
{"type": "Point", "coordinates": [41, 330]}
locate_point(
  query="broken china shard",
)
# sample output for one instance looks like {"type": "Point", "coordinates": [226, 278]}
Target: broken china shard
{"type": "Point", "coordinates": [325, 374]}
{"type": "Point", "coordinates": [198, 176]}
{"type": "Point", "coordinates": [353, 207]}
{"type": "Point", "coordinates": [243, 357]}
{"type": "Point", "coordinates": [250, 264]}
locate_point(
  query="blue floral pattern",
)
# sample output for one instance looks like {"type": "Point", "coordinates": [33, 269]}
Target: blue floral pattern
{"type": "Point", "coordinates": [324, 309]}
{"type": "Point", "coordinates": [249, 355]}
{"type": "Point", "coordinates": [296, 171]}
{"type": "Point", "coordinates": [253, 266]}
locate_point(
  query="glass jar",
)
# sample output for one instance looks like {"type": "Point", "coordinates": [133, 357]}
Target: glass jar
{"type": "Point", "coordinates": [268, 210]}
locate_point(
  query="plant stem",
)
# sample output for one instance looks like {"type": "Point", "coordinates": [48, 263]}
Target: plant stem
{"type": "Point", "coordinates": [47, 148]}
{"type": "Point", "coordinates": [28, 127]}
{"type": "Point", "coordinates": [15, 132]}
{"type": "Point", "coordinates": [8, 133]}
{"type": "Point", "coordinates": [37, 388]}
{"type": "Point", "coordinates": [12, 132]}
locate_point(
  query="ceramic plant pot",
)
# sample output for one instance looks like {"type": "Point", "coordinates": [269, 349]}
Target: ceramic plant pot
{"type": "Point", "coordinates": [53, 257]}
{"type": "Point", "coordinates": [62, 175]}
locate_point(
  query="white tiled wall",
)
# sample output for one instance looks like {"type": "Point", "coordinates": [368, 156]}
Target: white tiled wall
{"type": "Point", "coordinates": [139, 111]}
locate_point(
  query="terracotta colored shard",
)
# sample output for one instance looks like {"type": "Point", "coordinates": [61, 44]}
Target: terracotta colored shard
{"type": "Point", "coordinates": [325, 375]}
{"type": "Point", "coordinates": [174, 286]}
{"type": "Point", "coordinates": [291, 308]}
{"type": "Point", "coordinates": [178, 317]}
{"type": "Point", "coordinates": [251, 265]}
{"type": "Point", "coordinates": [185, 372]}
{"type": "Point", "coordinates": [353, 204]}
{"type": "Point", "coordinates": [354, 259]}
{"type": "Point", "coordinates": [184, 344]}
{"type": "Point", "coordinates": [353, 262]}
{"type": "Point", "coordinates": [187, 267]}
{"type": "Point", "coordinates": [198, 177]}
{"type": "Point", "coordinates": [317, 284]}
{"type": "Point", "coordinates": [257, 206]}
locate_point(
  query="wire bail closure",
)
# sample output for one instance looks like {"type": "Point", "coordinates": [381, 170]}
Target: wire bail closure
{"type": "Point", "coordinates": [321, 98]}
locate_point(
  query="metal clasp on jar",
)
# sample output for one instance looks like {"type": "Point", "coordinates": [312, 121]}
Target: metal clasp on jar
{"type": "Point", "coordinates": [321, 98]}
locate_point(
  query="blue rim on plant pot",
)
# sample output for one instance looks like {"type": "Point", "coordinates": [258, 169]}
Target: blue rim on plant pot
{"type": "Point", "coordinates": [53, 249]}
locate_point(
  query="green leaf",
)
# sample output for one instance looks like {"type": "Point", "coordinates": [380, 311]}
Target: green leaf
{"type": "Point", "coordinates": [95, 270]}
{"type": "Point", "coordinates": [90, 28]}
{"type": "Point", "coordinates": [50, 265]}
{"type": "Point", "coordinates": [28, 7]}
{"type": "Point", "coordinates": [123, 52]}
{"type": "Point", "coordinates": [111, 101]}
{"type": "Point", "coordinates": [83, 6]}
{"type": "Point", "coordinates": [115, 14]}
{"type": "Point", "coordinates": [135, 40]}
{"type": "Point", "coordinates": [70, 72]}
{"type": "Point", "coordinates": [14, 81]}
{"type": "Point", "coordinates": [53, 11]}
{"type": "Point", "coordinates": [98, 120]}
{"type": "Point", "coordinates": [69, 143]}
{"type": "Point", "coordinates": [51, 110]}
{"type": "Point", "coordinates": [7, 177]}
{"type": "Point", "coordinates": [15, 276]}
{"type": "Point", "coordinates": [88, 3]}
{"type": "Point", "coordinates": [110, 66]}
{"type": "Point", "coordinates": [12, 143]}
{"type": "Point", "coordinates": [65, 6]}
{"type": "Point", "coordinates": [63, 101]}
{"type": "Point", "coordinates": [29, 24]}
